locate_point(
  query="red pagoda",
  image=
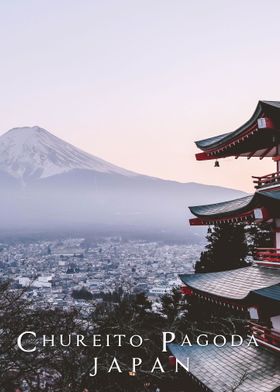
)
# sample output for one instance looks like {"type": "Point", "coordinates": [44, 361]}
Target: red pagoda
{"type": "Point", "coordinates": [253, 291]}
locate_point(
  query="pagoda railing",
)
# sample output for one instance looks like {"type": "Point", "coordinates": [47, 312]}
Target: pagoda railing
{"type": "Point", "coordinates": [267, 256]}
{"type": "Point", "coordinates": [266, 336]}
{"type": "Point", "coordinates": [268, 179]}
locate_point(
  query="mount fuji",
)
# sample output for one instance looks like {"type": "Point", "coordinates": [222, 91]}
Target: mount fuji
{"type": "Point", "coordinates": [49, 184]}
{"type": "Point", "coordinates": [31, 153]}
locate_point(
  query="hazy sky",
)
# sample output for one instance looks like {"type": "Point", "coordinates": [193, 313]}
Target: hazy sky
{"type": "Point", "coordinates": [136, 82]}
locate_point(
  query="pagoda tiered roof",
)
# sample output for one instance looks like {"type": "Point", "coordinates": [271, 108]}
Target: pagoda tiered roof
{"type": "Point", "coordinates": [255, 289]}
{"type": "Point", "coordinates": [233, 284]}
{"type": "Point", "coordinates": [242, 369]}
{"type": "Point", "coordinates": [241, 209]}
{"type": "Point", "coordinates": [258, 137]}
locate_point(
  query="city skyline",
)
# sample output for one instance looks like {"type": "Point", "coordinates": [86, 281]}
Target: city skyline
{"type": "Point", "coordinates": [137, 83]}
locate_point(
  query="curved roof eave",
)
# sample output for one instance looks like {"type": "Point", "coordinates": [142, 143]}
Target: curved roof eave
{"type": "Point", "coordinates": [226, 208]}
{"type": "Point", "coordinates": [262, 107]}
{"type": "Point", "coordinates": [233, 284]}
{"type": "Point", "coordinates": [237, 206]}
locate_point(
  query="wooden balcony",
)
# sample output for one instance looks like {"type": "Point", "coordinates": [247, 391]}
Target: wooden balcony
{"type": "Point", "coordinates": [267, 256]}
{"type": "Point", "coordinates": [265, 336]}
{"type": "Point", "coordinates": [267, 180]}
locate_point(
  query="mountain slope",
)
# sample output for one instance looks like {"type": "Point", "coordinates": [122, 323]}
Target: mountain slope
{"type": "Point", "coordinates": [32, 153]}
{"type": "Point", "coordinates": [47, 183]}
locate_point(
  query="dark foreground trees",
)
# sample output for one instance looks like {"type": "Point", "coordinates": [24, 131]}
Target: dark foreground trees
{"type": "Point", "coordinates": [67, 367]}
{"type": "Point", "coordinates": [229, 245]}
{"type": "Point", "coordinates": [57, 368]}
{"type": "Point", "coordinates": [41, 369]}
{"type": "Point", "coordinates": [227, 249]}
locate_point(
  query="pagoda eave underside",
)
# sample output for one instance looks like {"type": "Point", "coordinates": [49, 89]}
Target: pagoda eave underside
{"type": "Point", "coordinates": [268, 152]}
{"type": "Point", "coordinates": [229, 219]}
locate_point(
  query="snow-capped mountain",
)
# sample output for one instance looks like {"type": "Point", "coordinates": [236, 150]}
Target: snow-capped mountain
{"type": "Point", "coordinates": [32, 153]}
{"type": "Point", "coordinates": [46, 183]}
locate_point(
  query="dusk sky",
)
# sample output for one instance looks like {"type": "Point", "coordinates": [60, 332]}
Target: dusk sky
{"type": "Point", "coordinates": [136, 82]}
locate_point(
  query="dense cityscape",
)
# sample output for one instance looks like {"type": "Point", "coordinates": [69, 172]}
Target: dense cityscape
{"type": "Point", "coordinates": [51, 270]}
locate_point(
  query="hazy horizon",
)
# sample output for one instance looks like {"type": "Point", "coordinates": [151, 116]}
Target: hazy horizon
{"type": "Point", "coordinates": [136, 83]}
